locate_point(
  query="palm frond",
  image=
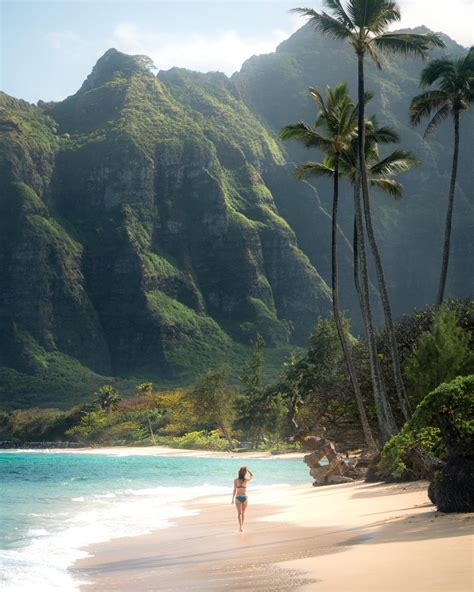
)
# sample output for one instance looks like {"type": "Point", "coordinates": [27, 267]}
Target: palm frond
{"type": "Point", "coordinates": [423, 105]}
{"type": "Point", "coordinates": [373, 55]}
{"type": "Point", "coordinates": [318, 98]}
{"type": "Point", "coordinates": [370, 14]}
{"type": "Point", "coordinates": [390, 186]}
{"type": "Point", "coordinates": [436, 70]}
{"type": "Point", "coordinates": [294, 131]}
{"type": "Point", "coordinates": [407, 43]}
{"type": "Point", "coordinates": [340, 93]}
{"type": "Point", "coordinates": [323, 22]}
{"type": "Point", "coordinates": [384, 15]}
{"type": "Point", "coordinates": [346, 121]}
{"type": "Point", "coordinates": [384, 135]}
{"type": "Point", "coordinates": [368, 96]}
{"type": "Point", "coordinates": [437, 118]}
{"type": "Point", "coordinates": [310, 138]}
{"type": "Point", "coordinates": [398, 161]}
{"type": "Point", "coordinates": [338, 10]}
{"type": "Point", "coordinates": [466, 64]}
{"type": "Point", "coordinates": [434, 40]}
{"type": "Point", "coordinates": [318, 169]}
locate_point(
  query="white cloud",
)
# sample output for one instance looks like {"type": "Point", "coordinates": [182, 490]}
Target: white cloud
{"type": "Point", "coordinates": [62, 39]}
{"type": "Point", "coordinates": [455, 18]}
{"type": "Point", "coordinates": [224, 50]}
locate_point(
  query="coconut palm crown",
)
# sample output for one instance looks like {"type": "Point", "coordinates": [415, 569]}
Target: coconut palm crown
{"type": "Point", "coordinates": [380, 171]}
{"type": "Point", "coordinates": [333, 131]}
{"type": "Point", "coordinates": [455, 92]}
{"type": "Point", "coordinates": [364, 24]}
{"type": "Point", "coordinates": [337, 119]}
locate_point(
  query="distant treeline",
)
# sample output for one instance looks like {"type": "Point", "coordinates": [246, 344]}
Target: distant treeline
{"type": "Point", "coordinates": [313, 389]}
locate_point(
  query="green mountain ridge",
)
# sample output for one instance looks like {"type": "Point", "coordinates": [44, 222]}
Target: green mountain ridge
{"type": "Point", "coordinates": [151, 225]}
{"type": "Point", "coordinates": [411, 230]}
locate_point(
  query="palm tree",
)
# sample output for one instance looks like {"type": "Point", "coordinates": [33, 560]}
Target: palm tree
{"type": "Point", "coordinates": [337, 118]}
{"type": "Point", "coordinates": [363, 24]}
{"type": "Point", "coordinates": [145, 390]}
{"type": "Point", "coordinates": [455, 92]}
{"type": "Point", "coordinates": [380, 175]}
{"type": "Point", "coordinates": [107, 398]}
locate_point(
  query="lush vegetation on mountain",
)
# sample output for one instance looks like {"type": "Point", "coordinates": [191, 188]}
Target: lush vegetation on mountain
{"type": "Point", "coordinates": [151, 226]}
{"type": "Point", "coordinates": [313, 389]}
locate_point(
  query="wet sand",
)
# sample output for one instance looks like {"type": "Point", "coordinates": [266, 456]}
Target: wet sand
{"type": "Point", "coordinates": [346, 538]}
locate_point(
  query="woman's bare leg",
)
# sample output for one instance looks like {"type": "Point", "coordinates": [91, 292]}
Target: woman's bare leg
{"type": "Point", "coordinates": [244, 507]}
{"type": "Point", "coordinates": [239, 505]}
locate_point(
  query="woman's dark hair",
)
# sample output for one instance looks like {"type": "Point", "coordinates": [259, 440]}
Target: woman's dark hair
{"type": "Point", "coordinates": [242, 473]}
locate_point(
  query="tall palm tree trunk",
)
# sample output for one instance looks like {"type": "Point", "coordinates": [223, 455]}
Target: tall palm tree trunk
{"type": "Point", "coordinates": [449, 215]}
{"type": "Point", "coordinates": [385, 417]}
{"type": "Point", "coordinates": [150, 428]}
{"type": "Point", "coordinates": [337, 318]}
{"type": "Point", "coordinates": [355, 251]}
{"type": "Point", "coordinates": [387, 309]}
{"type": "Point", "coordinates": [387, 422]}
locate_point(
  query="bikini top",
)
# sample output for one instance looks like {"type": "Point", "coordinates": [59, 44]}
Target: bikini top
{"type": "Point", "coordinates": [241, 486]}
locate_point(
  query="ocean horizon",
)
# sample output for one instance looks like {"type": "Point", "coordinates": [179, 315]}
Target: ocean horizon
{"type": "Point", "coordinates": [54, 504]}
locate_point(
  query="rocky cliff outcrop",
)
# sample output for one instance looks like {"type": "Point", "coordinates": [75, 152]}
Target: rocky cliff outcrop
{"type": "Point", "coordinates": [144, 237]}
{"type": "Point", "coordinates": [151, 226]}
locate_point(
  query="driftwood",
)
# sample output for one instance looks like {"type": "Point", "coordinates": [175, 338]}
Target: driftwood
{"type": "Point", "coordinates": [336, 470]}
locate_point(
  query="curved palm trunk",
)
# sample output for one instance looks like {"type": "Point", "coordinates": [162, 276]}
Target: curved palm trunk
{"type": "Point", "coordinates": [355, 251]}
{"type": "Point", "coordinates": [387, 422]}
{"type": "Point", "coordinates": [384, 413]}
{"type": "Point", "coordinates": [449, 215]}
{"type": "Point", "coordinates": [387, 309]}
{"type": "Point", "coordinates": [337, 318]}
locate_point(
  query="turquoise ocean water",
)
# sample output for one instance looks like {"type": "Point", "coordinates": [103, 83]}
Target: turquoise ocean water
{"type": "Point", "coordinates": [52, 504]}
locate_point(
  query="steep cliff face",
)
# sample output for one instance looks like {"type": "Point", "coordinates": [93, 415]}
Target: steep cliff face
{"type": "Point", "coordinates": [43, 302]}
{"type": "Point", "coordinates": [151, 225]}
{"type": "Point", "coordinates": [147, 241]}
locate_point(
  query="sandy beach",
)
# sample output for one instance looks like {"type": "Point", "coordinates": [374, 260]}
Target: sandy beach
{"type": "Point", "coordinates": [168, 451]}
{"type": "Point", "coordinates": [356, 537]}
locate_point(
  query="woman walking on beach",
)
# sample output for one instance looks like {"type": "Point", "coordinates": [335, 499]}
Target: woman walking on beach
{"type": "Point", "coordinates": [240, 494]}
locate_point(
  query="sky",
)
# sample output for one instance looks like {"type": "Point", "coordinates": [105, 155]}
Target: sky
{"type": "Point", "coordinates": [47, 49]}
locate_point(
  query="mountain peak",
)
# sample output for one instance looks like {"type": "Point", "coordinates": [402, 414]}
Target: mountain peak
{"type": "Point", "coordinates": [115, 63]}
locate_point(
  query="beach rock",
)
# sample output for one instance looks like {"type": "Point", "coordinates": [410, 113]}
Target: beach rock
{"type": "Point", "coordinates": [452, 488]}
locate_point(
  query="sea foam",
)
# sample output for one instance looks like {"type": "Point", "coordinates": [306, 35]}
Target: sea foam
{"type": "Point", "coordinates": [42, 565]}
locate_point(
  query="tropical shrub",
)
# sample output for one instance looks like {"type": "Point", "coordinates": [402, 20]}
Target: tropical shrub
{"type": "Point", "coordinates": [439, 354]}
{"type": "Point", "coordinates": [202, 440]}
{"type": "Point", "coordinates": [456, 396]}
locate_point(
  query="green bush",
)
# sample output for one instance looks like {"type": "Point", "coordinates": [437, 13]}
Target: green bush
{"type": "Point", "coordinates": [439, 354]}
{"type": "Point", "coordinates": [422, 429]}
{"type": "Point", "coordinates": [275, 444]}
{"type": "Point", "coordinates": [202, 440]}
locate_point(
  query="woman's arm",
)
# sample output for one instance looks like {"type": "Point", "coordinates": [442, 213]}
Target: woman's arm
{"type": "Point", "coordinates": [234, 492]}
{"type": "Point", "coordinates": [250, 477]}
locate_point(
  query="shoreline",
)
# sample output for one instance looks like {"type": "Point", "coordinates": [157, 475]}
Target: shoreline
{"type": "Point", "coordinates": [161, 451]}
{"type": "Point", "coordinates": [355, 537]}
